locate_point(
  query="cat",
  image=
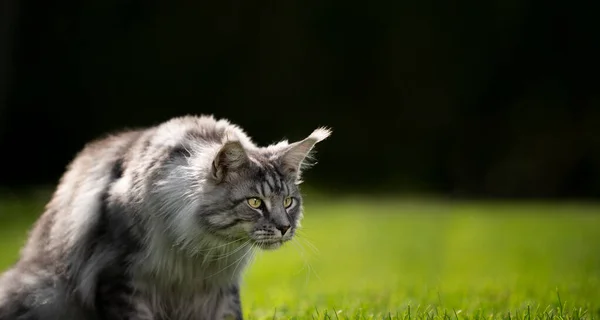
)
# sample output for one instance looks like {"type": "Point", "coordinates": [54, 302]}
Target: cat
{"type": "Point", "coordinates": [158, 223]}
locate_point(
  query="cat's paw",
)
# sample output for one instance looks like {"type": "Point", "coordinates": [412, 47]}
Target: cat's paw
{"type": "Point", "coordinates": [231, 317]}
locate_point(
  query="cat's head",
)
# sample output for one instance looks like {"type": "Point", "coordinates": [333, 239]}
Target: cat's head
{"type": "Point", "coordinates": [254, 192]}
{"type": "Point", "coordinates": [212, 194]}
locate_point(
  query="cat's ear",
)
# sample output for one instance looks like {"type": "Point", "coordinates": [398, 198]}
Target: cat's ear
{"type": "Point", "coordinates": [294, 157]}
{"type": "Point", "coordinates": [231, 157]}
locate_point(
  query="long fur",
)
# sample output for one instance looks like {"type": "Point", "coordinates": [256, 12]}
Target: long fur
{"type": "Point", "coordinates": [153, 224]}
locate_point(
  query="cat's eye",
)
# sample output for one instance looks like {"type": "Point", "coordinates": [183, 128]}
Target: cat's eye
{"type": "Point", "coordinates": [254, 202]}
{"type": "Point", "coordinates": [287, 202]}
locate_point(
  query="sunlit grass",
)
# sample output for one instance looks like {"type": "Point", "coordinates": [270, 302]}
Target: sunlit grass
{"type": "Point", "coordinates": [382, 259]}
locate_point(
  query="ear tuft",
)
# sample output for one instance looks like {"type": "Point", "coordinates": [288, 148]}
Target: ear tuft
{"type": "Point", "coordinates": [320, 134]}
{"type": "Point", "coordinates": [295, 155]}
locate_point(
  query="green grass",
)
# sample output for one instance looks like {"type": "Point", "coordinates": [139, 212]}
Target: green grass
{"type": "Point", "coordinates": [386, 259]}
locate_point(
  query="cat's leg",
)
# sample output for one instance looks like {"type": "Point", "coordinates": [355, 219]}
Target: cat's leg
{"type": "Point", "coordinates": [117, 300]}
{"type": "Point", "coordinates": [125, 307]}
{"type": "Point", "coordinates": [29, 295]}
{"type": "Point", "coordinates": [231, 306]}
{"type": "Point", "coordinates": [141, 310]}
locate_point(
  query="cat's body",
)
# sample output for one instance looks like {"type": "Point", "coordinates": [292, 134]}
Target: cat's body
{"type": "Point", "coordinates": [157, 224]}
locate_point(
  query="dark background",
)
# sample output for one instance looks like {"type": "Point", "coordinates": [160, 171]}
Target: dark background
{"type": "Point", "coordinates": [462, 98]}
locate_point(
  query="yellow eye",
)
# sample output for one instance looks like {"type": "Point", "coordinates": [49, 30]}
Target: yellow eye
{"type": "Point", "coordinates": [254, 202]}
{"type": "Point", "coordinates": [287, 202]}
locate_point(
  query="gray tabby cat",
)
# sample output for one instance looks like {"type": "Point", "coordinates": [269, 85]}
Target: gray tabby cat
{"type": "Point", "coordinates": [158, 224]}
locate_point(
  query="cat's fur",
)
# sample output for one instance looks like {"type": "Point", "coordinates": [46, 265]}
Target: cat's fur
{"type": "Point", "coordinates": [153, 224]}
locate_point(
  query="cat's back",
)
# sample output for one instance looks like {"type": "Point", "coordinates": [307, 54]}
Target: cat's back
{"type": "Point", "coordinates": [77, 198]}
{"type": "Point", "coordinates": [32, 288]}
{"type": "Point", "coordinates": [76, 202]}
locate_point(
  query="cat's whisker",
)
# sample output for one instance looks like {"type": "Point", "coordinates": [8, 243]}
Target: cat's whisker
{"type": "Point", "coordinates": [225, 244]}
{"type": "Point", "coordinates": [252, 247]}
{"type": "Point", "coordinates": [206, 252]}
{"type": "Point", "coordinates": [306, 264]}
{"type": "Point", "coordinates": [231, 264]}
{"type": "Point", "coordinates": [228, 254]}
{"type": "Point", "coordinates": [296, 247]}
{"type": "Point", "coordinates": [302, 236]}
{"type": "Point", "coordinates": [306, 260]}
{"type": "Point", "coordinates": [309, 244]}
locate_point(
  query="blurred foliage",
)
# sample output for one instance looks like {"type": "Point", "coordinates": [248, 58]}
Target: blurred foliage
{"type": "Point", "coordinates": [465, 98]}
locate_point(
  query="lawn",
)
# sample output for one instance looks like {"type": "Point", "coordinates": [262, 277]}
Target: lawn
{"type": "Point", "coordinates": [381, 259]}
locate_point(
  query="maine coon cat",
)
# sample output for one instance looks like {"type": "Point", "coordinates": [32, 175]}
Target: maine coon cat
{"type": "Point", "coordinates": [157, 224]}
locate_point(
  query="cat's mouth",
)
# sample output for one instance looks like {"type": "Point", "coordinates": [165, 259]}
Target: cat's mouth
{"type": "Point", "coordinates": [268, 244]}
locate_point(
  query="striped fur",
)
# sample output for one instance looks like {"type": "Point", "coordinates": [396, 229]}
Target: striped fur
{"type": "Point", "coordinates": [154, 224]}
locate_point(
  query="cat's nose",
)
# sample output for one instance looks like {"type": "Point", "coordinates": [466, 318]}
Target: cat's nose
{"type": "Point", "coordinates": [283, 228]}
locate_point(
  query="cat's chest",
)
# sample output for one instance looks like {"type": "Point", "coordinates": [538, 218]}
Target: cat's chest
{"type": "Point", "coordinates": [182, 303]}
{"type": "Point", "coordinates": [173, 286]}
